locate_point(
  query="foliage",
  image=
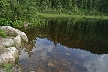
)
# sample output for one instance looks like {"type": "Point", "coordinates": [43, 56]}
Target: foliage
{"type": "Point", "coordinates": [15, 12]}
{"type": "Point", "coordinates": [3, 34]}
{"type": "Point", "coordinates": [7, 67]}
{"type": "Point", "coordinates": [73, 6]}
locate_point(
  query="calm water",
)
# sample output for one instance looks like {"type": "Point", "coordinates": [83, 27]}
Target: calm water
{"type": "Point", "coordinates": [66, 45]}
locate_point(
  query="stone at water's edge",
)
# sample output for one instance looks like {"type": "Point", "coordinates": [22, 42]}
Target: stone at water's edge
{"type": "Point", "coordinates": [23, 36]}
{"type": "Point", "coordinates": [17, 41]}
{"type": "Point", "coordinates": [14, 32]}
{"type": "Point", "coordinates": [6, 42]}
{"type": "Point", "coordinates": [9, 55]}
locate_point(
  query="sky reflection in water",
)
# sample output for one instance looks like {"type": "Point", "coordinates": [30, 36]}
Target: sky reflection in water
{"type": "Point", "coordinates": [67, 45]}
{"type": "Point", "coordinates": [49, 57]}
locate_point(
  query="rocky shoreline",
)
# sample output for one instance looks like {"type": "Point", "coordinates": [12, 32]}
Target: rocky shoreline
{"type": "Point", "coordinates": [10, 47]}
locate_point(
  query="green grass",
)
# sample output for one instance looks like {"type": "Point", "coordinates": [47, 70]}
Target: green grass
{"type": "Point", "coordinates": [74, 16]}
{"type": "Point", "coordinates": [7, 67]}
{"type": "Point", "coordinates": [3, 34]}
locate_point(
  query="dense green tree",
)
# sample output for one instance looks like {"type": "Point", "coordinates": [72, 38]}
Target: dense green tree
{"type": "Point", "coordinates": [13, 11]}
{"type": "Point", "coordinates": [92, 7]}
{"type": "Point", "coordinates": [103, 6]}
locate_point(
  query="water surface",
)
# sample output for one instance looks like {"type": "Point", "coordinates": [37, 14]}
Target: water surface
{"type": "Point", "coordinates": [66, 45]}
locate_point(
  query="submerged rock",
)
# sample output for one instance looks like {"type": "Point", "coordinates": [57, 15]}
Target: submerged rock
{"type": "Point", "coordinates": [9, 55]}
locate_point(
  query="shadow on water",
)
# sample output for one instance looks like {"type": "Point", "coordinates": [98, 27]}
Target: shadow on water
{"type": "Point", "coordinates": [66, 45]}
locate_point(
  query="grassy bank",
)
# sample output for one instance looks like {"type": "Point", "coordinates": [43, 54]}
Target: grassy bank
{"type": "Point", "coordinates": [74, 16]}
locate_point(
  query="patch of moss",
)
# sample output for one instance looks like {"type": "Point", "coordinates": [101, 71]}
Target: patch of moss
{"type": "Point", "coordinates": [3, 34]}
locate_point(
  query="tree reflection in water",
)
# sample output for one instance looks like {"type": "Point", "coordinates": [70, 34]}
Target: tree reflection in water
{"type": "Point", "coordinates": [67, 44]}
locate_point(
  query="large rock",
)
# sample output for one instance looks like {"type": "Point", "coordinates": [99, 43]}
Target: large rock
{"type": "Point", "coordinates": [17, 41]}
{"type": "Point", "coordinates": [7, 42]}
{"type": "Point", "coordinates": [9, 55]}
{"type": "Point", "coordinates": [14, 32]}
{"type": "Point", "coordinates": [9, 30]}
{"type": "Point", "coordinates": [23, 36]}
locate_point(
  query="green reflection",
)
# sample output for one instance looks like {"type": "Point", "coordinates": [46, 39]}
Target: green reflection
{"type": "Point", "coordinates": [87, 34]}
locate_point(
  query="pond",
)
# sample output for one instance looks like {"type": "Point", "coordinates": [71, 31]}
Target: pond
{"type": "Point", "coordinates": [66, 45]}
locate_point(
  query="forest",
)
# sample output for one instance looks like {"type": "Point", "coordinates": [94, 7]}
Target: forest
{"type": "Point", "coordinates": [15, 12]}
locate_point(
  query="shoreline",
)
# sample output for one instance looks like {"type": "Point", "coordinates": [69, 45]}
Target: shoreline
{"type": "Point", "coordinates": [10, 48]}
{"type": "Point", "coordinates": [67, 15]}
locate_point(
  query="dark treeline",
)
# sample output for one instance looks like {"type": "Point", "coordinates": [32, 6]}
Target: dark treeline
{"type": "Point", "coordinates": [14, 12]}
{"type": "Point", "coordinates": [91, 7]}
